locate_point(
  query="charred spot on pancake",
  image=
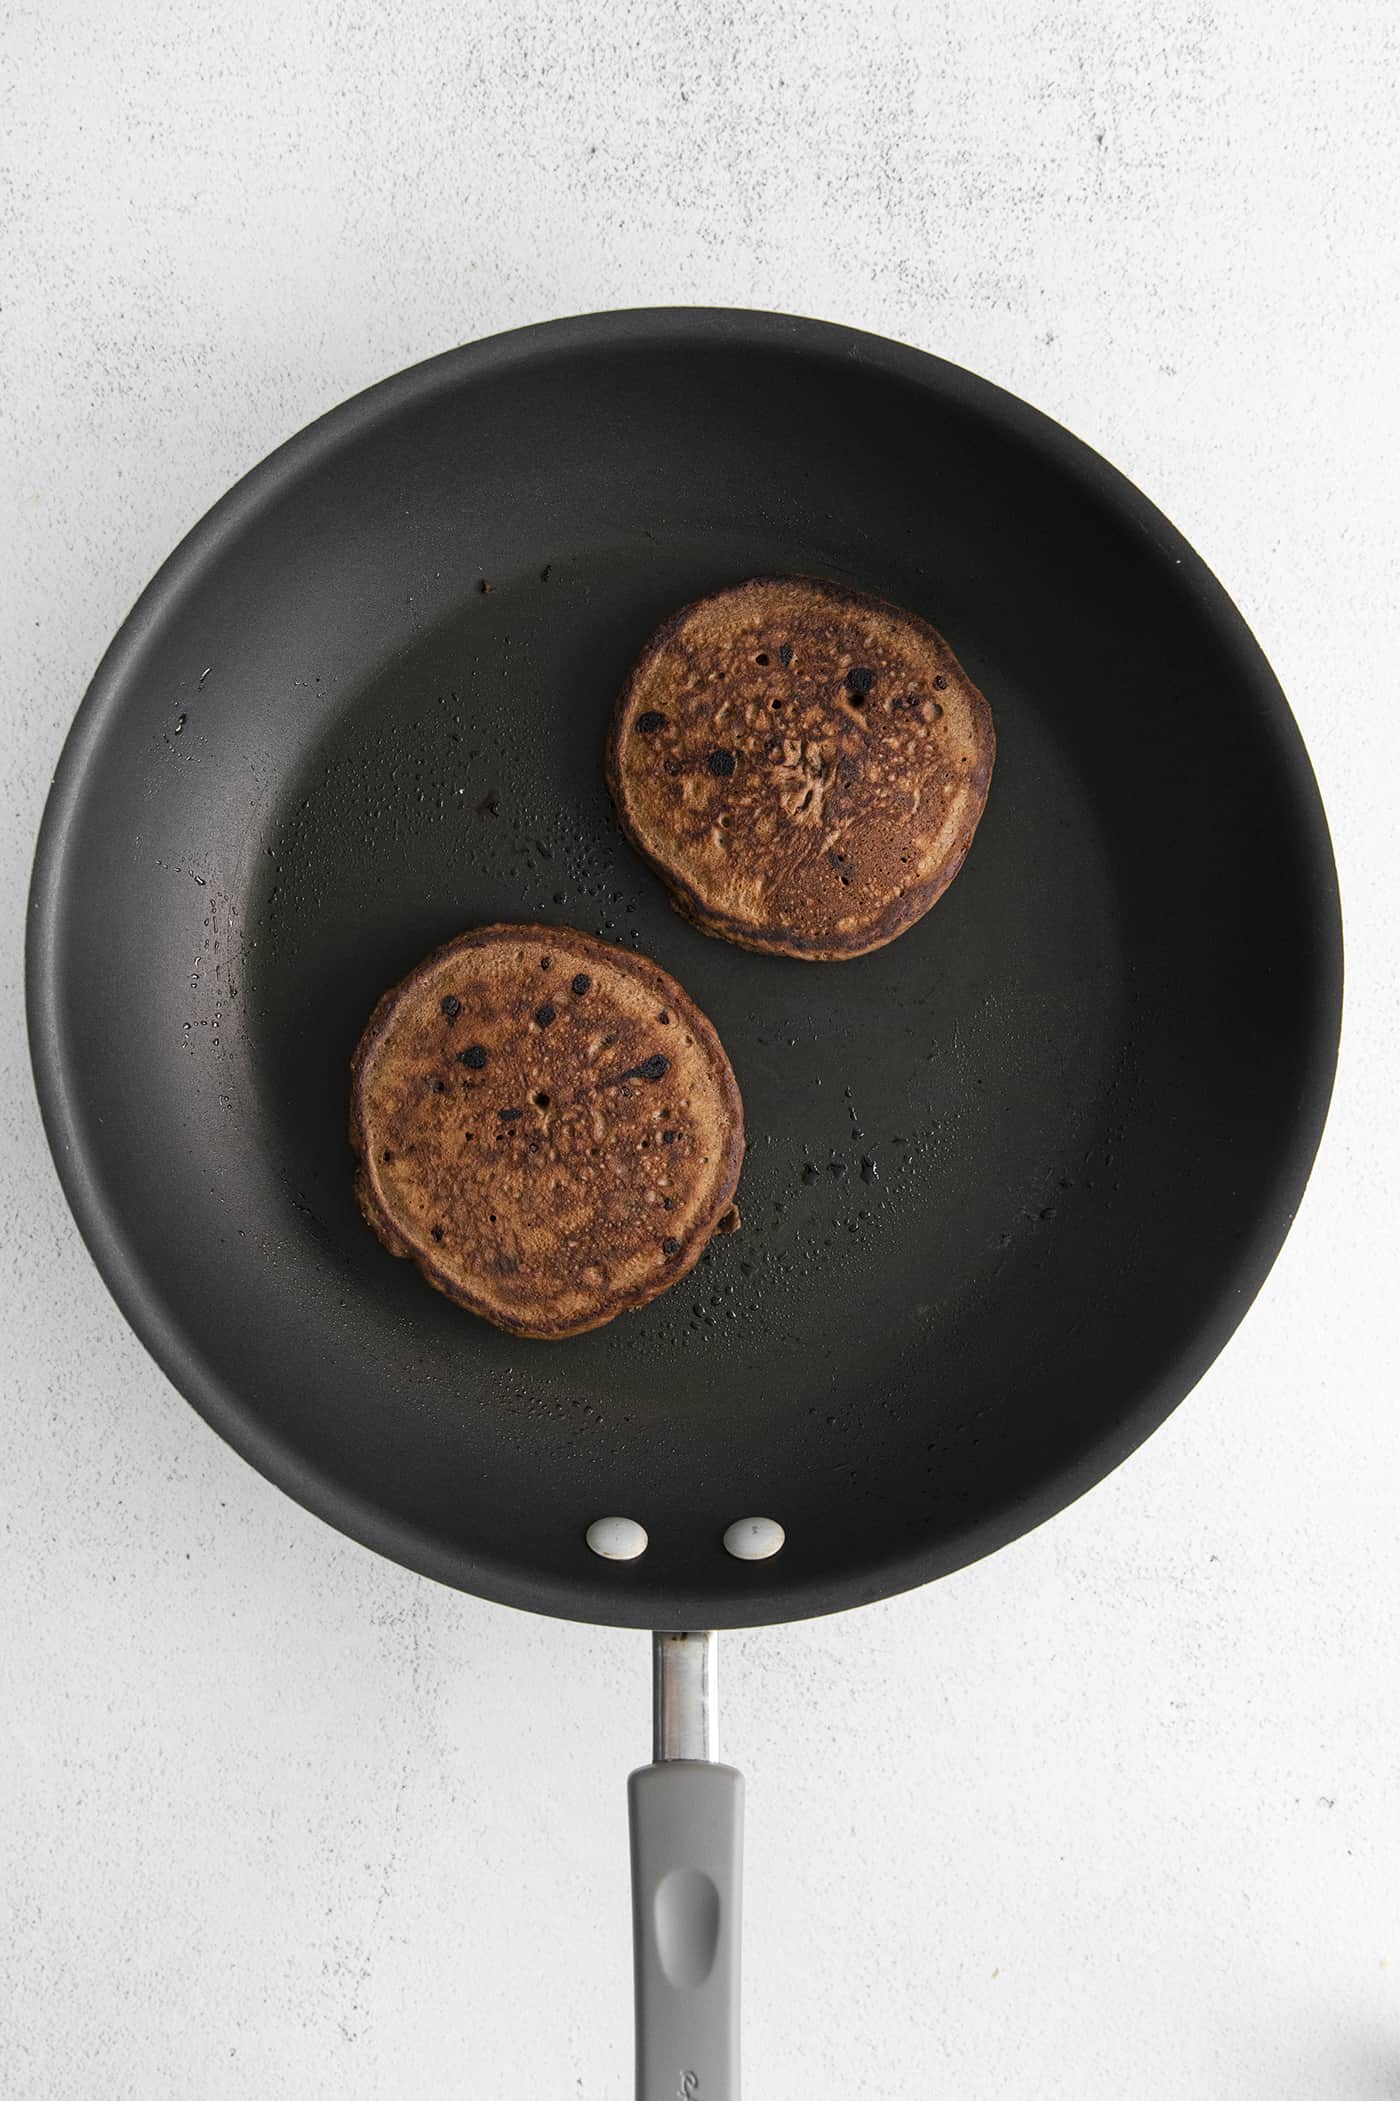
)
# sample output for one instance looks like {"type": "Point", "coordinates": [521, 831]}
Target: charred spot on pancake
{"type": "Point", "coordinates": [510, 1115]}
{"type": "Point", "coordinates": [670, 1245]}
{"type": "Point", "coordinates": [654, 1068]}
{"type": "Point", "coordinates": [451, 1006]}
{"type": "Point", "coordinates": [651, 722]}
{"type": "Point", "coordinates": [473, 1057]}
{"type": "Point", "coordinates": [544, 1015]}
{"type": "Point", "coordinates": [721, 764]}
{"type": "Point", "coordinates": [580, 984]}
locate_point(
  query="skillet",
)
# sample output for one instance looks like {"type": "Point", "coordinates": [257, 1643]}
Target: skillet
{"type": "Point", "coordinates": [1012, 1181]}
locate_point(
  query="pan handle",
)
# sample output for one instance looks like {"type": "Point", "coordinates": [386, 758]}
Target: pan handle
{"type": "Point", "coordinates": [686, 1815]}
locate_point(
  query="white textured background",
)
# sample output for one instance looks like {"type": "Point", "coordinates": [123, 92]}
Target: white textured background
{"type": "Point", "coordinates": [1112, 1815]}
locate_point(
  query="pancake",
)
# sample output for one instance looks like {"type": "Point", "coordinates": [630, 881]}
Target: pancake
{"type": "Point", "coordinates": [547, 1125]}
{"type": "Point", "coordinates": [804, 766]}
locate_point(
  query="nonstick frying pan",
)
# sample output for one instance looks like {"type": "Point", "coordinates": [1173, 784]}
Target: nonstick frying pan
{"type": "Point", "coordinates": [1012, 1181]}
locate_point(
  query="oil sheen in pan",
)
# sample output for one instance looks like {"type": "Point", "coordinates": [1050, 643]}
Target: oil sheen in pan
{"type": "Point", "coordinates": [444, 794]}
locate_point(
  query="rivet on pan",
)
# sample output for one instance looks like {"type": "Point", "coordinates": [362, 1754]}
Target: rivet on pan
{"type": "Point", "coordinates": [617, 1538]}
{"type": "Point", "coordinates": [754, 1538]}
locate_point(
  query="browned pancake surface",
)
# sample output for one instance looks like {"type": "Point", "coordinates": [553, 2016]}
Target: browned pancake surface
{"type": "Point", "coordinates": [803, 765]}
{"type": "Point", "coordinates": [548, 1126]}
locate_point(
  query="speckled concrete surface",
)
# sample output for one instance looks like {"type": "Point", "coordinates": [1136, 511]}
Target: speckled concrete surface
{"type": "Point", "coordinates": [1113, 1814]}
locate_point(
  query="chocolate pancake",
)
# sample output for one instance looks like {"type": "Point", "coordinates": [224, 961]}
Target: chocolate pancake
{"type": "Point", "coordinates": [547, 1125]}
{"type": "Point", "coordinates": [804, 766]}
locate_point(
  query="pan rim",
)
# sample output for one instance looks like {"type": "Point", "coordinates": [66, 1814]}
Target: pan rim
{"type": "Point", "coordinates": [606, 1597]}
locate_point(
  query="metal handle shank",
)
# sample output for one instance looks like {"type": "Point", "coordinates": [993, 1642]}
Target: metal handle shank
{"type": "Point", "coordinates": [686, 1816]}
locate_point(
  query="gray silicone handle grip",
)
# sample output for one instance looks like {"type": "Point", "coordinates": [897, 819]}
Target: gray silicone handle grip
{"type": "Point", "coordinates": [687, 1821]}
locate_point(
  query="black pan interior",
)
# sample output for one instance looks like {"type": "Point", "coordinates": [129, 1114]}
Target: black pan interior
{"type": "Point", "coordinates": [1011, 1181]}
